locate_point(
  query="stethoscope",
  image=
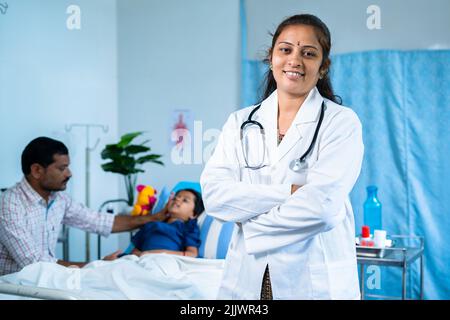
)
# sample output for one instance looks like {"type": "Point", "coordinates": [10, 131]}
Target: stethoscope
{"type": "Point", "coordinates": [296, 165]}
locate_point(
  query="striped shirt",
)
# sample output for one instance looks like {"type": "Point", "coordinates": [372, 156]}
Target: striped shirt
{"type": "Point", "coordinates": [29, 226]}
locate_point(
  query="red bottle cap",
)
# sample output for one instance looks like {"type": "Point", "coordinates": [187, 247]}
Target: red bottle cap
{"type": "Point", "coordinates": [366, 232]}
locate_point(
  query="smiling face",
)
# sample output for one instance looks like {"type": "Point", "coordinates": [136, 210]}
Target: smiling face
{"type": "Point", "coordinates": [296, 60]}
{"type": "Point", "coordinates": [182, 205]}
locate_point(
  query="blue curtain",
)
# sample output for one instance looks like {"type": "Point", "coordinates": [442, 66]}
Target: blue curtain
{"type": "Point", "coordinates": [403, 101]}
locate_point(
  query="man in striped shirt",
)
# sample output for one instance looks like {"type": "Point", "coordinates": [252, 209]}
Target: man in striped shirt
{"type": "Point", "coordinates": [31, 212]}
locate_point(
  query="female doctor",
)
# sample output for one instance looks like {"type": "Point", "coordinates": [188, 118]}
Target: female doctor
{"type": "Point", "coordinates": [283, 172]}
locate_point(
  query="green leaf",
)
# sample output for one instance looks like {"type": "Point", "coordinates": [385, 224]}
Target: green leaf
{"type": "Point", "coordinates": [149, 158]}
{"type": "Point", "coordinates": [113, 167]}
{"type": "Point", "coordinates": [127, 138]}
{"type": "Point", "coordinates": [128, 164]}
{"type": "Point", "coordinates": [158, 162]}
{"type": "Point", "coordinates": [134, 149]}
{"type": "Point", "coordinates": [123, 156]}
{"type": "Point", "coordinates": [111, 151]}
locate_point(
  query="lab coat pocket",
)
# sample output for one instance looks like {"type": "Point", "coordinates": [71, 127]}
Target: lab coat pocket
{"type": "Point", "coordinates": [320, 282]}
{"type": "Point", "coordinates": [337, 281]}
{"type": "Point", "coordinates": [344, 280]}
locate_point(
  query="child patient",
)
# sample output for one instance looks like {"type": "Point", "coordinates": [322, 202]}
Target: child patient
{"type": "Point", "coordinates": [178, 233]}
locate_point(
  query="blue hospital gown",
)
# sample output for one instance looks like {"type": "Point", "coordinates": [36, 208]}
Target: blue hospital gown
{"type": "Point", "coordinates": [174, 236]}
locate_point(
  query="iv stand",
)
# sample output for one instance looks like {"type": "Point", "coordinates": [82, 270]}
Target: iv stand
{"type": "Point", "coordinates": [87, 170]}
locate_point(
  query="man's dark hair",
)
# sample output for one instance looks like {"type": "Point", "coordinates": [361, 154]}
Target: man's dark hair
{"type": "Point", "coordinates": [199, 207]}
{"type": "Point", "coordinates": [41, 151]}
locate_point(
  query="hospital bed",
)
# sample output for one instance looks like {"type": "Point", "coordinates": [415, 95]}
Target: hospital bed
{"type": "Point", "coordinates": [155, 276]}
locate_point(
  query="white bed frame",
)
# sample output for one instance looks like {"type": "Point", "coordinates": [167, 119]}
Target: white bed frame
{"type": "Point", "coordinates": [37, 292]}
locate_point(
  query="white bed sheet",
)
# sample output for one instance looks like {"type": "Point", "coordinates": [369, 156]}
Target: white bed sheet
{"type": "Point", "coordinates": [153, 276]}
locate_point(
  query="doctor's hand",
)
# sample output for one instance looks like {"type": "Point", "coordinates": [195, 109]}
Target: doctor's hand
{"type": "Point", "coordinates": [294, 188]}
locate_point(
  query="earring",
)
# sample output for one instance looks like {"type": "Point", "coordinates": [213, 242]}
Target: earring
{"type": "Point", "coordinates": [322, 74]}
{"type": "Point", "coordinates": [271, 67]}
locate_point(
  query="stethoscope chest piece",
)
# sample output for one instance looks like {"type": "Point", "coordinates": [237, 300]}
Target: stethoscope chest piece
{"type": "Point", "coordinates": [298, 165]}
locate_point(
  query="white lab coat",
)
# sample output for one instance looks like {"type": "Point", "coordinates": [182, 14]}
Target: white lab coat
{"type": "Point", "coordinates": [308, 238]}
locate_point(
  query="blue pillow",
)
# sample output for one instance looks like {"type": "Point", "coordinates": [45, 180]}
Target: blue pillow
{"type": "Point", "coordinates": [215, 237]}
{"type": "Point", "coordinates": [187, 185]}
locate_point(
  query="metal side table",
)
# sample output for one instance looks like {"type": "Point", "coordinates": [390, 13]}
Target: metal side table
{"type": "Point", "coordinates": [402, 255]}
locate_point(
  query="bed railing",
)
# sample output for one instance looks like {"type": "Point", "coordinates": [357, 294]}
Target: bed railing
{"type": "Point", "coordinates": [37, 292]}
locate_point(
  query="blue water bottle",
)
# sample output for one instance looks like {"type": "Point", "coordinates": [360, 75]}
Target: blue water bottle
{"type": "Point", "coordinates": [372, 210]}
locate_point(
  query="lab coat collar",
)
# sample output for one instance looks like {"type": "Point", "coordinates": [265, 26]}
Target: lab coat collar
{"type": "Point", "coordinates": [310, 109]}
{"type": "Point", "coordinates": [308, 112]}
{"type": "Point", "coordinates": [269, 111]}
{"type": "Point", "coordinates": [267, 116]}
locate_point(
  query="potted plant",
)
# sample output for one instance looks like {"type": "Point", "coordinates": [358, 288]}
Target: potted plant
{"type": "Point", "coordinates": [127, 159]}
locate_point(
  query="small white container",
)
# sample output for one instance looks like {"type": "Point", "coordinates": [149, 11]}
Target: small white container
{"type": "Point", "coordinates": [379, 238]}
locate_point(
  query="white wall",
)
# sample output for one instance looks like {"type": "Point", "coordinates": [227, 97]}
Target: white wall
{"type": "Point", "coordinates": [51, 76]}
{"type": "Point", "coordinates": [176, 55]}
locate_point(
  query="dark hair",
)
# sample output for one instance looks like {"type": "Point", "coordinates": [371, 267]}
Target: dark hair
{"type": "Point", "coordinates": [324, 37]}
{"type": "Point", "coordinates": [199, 207]}
{"type": "Point", "coordinates": [41, 151]}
